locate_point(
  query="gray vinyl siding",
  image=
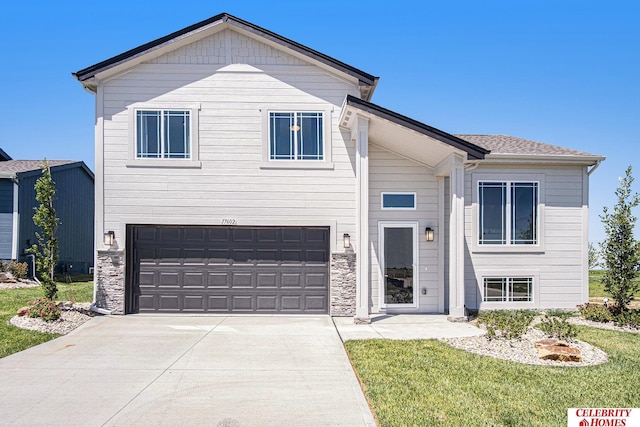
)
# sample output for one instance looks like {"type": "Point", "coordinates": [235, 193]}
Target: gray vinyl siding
{"type": "Point", "coordinates": [6, 218]}
{"type": "Point", "coordinates": [559, 266]}
{"type": "Point", "coordinates": [232, 83]}
{"type": "Point", "coordinates": [390, 172]}
{"type": "Point", "coordinates": [74, 205]}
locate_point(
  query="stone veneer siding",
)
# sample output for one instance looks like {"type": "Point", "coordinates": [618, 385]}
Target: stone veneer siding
{"type": "Point", "coordinates": [342, 287]}
{"type": "Point", "coordinates": [110, 284]}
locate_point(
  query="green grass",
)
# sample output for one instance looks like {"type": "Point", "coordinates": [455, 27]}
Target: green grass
{"type": "Point", "coordinates": [596, 287]}
{"type": "Point", "coordinates": [14, 339]}
{"type": "Point", "coordinates": [411, 383]}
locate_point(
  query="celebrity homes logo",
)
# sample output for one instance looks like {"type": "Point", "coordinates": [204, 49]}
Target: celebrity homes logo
{"type": "Point", "coordinates": [603, 417]}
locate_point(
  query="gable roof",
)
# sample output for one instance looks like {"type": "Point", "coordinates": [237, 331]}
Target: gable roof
{"type": "Point", "coordinates": [4, 156]}
{"type": "Point", "coordinates": [511, 146]}
{"type": "Point", "coordinates": [13, 168]}
{"type": "Point", "coordinates": [474, 151]}
{"type": "Point", "coordinates": [366, 80]}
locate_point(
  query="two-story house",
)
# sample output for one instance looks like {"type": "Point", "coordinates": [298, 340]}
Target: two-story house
{"type": "Point", "coordinates": [238, 171]}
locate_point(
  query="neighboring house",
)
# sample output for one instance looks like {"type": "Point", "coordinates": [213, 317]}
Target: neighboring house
{"type": "Point", "coordinates": [74, 205]}
{"type": "Point", "coordinates": [239, 171]}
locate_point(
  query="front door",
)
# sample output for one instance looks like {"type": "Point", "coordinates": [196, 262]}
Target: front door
{"type": "Point", "coordinates": [398, 264]}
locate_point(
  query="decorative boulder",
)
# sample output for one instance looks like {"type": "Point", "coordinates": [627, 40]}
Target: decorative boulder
{"type": "Point", "coordinates": [23, 311]}
{"type": "Point", "coordinates": [552, 349]}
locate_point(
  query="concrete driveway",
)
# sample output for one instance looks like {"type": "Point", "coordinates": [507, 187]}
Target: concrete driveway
{"type": "Point", "coordinates": [183, 370]}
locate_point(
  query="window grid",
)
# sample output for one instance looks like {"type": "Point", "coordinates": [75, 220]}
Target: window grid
{"type": "Point", "coordinates": [512, 226]}
{"type": "Point", "coordinates": [296, 136]}
{"type": "Point", "coordinates": [163, 134]}
{"type": "Point", "coordinates": [508, 289]}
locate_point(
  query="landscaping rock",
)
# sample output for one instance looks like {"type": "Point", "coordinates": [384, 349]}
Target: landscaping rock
{"type": "Point", "coordinates": [23, 311]}
{"type": "Point", "coordinates": [5, 276]}
{"type": "Point", "coordinates": [551, 342]}
{"type": "Point", "coordinates": [559, 353]}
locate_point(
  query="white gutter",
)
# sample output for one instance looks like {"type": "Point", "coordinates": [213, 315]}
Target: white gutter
{"type": "Point", "coordinates": [594, 167]}
{"type": "Point", "coordinates": [537, 158]}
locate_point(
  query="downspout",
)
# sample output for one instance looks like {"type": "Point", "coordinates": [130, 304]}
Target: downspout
{"type": "Point", "coordinates": [594, 167]}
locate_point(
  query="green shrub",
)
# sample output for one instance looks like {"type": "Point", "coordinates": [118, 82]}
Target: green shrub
{"type": "Point", "coordinates": [507, 324]}
{"type": "Point", "coordinates": [18, 269]}
{"type": "Point", "coordinates": [629, 318]}
{"type": "Point", "coordinates": [45, 309]}
{"type": "Point", "coordinates": [595, 312]}
{"type": "Point", "coordinates": [558, 327]}
{"type": "Point", "coordinates": [563, 314]}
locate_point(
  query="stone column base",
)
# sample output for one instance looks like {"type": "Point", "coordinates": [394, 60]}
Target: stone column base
{"type": "Point", "coordinates": [110, 281]}
{"type": "Point", "coordinates": [342, 288]}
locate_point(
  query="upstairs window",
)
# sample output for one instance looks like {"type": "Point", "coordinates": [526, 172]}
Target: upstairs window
{"type": "Point", "coordinates": [296, 136]}
{"type": "Point", "coordinates": [508, 213]}
{"type": "Point", "coordinates": [163, 134]}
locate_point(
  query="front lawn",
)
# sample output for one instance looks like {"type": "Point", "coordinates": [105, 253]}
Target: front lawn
{"type": "Point", "coordinates": [427, 382]}
{"type": "Point", "coordinates": [14, 339]}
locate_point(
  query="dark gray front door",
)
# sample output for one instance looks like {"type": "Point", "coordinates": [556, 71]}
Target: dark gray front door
{"type": "Point", "coordinates": [228, 269]}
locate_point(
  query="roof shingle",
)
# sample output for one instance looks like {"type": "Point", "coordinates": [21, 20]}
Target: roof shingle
{"type": "Point", "coordinates": [19, 166]}
{"type": "Point", "coordinates": [505, 144]}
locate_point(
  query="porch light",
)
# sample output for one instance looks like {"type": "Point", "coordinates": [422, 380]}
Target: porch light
{"type": "Point", "coordinates": [109, 238]}
{"type": "Point", "coordinates": [428, 234]}
{"type": "Point", "coordinates": [346, 240]}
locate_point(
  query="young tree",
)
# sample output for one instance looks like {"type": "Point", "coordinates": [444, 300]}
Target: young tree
{"type": "Point", "coordinates": [594, 255]}
{"type": "Point", "coordinates": [46, 250]}
{"type": "Point", "coordinates": [620, 250]}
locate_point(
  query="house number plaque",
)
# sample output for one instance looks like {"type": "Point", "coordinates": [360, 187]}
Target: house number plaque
{"type": "Point", "coordinates": [229, 221]}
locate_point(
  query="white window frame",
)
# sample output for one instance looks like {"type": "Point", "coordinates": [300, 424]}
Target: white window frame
{"type": "Point", "coordinates": [540, 213]}
{"type": "Point", "coordinates": [416, 260]}
{"type": "Point", "coordinates": [194, 130]}
{"type": "Point", "coordinates": [402, 193]}
{"type": "Point", "coordinates": [507, 288]}
{"type": "Point", "coordinates": [511, 272]}
{"type": "Point", "coordinates": [325, 163]}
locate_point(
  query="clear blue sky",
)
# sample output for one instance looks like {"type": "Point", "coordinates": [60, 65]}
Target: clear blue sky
{"type": "Point", "coordinates": [556, 71]}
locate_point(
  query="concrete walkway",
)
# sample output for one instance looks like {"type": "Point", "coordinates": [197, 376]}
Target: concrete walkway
{"type": "Point", "coordinates": [404, 327]}
{"type": "Point", "coordinates": [183, 370]}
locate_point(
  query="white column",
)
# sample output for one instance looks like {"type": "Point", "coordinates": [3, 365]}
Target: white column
{"type": "Point", "coordinates": [456, 240]}
{"type": "Point", "coordinates": [362, 220]}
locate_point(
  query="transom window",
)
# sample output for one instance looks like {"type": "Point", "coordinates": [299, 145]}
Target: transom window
{"type": "Point", "coordinates": [398, 200]}
{"type": "Point", "coordinates": [163, 134]}
{"type": "Point", "coordinates": [508, 289]}
{"type": "Point", "coordinates": [296, 136]}
{"type": "Point", "coordinates": [508, 213]}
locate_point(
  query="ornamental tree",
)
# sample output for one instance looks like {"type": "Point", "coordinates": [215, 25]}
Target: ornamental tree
{"type": "Point", "coordinates": [46, 250]}
{"type": "Point", "coordinates": [620, 251]}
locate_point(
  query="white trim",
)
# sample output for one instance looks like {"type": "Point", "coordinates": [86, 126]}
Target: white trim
{"type": "Point", "coordinates": [361, 134]}
{"type": "Point", "coordinates": [16, 222]}
{"type": "Point", "coordinates": [327, 140]}
{"type": "Point", "coordinates": [505, 273]}
{"type": "Point", "coordinates": [441, 242]}
{"type": "Point", "coordinates": [413, 193]}
{"type": "Point", "coordinates": [476, 178]}
{"type": "Point", "coordinates": [416, 263]}
{"type": "Point", "coordinates": [194, 131]}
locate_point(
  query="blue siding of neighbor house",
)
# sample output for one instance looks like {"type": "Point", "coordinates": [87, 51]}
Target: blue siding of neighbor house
{"type": "Point", "coordinates": [74, 205]}
{"type": "Point", "coordinates": [6, 218]}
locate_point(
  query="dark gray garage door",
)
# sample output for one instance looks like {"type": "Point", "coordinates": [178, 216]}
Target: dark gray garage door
{"type": "Point", "coordinates": [228, 269]}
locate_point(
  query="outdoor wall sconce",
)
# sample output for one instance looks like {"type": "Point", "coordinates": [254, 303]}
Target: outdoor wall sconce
{"type": "Point", "coordinates": [109, 238]}
{"type": "Point", "coordinates": [428, 234]}
{"type": "Point", "coordinates": [346, 240]}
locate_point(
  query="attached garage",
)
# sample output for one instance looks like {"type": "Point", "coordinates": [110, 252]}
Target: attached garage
{"type": "Point", "coordinates": [218, 269]}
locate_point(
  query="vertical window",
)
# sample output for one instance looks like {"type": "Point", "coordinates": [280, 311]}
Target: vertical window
{"type": "Point", "coordinates": [296, 136]}
{"type": "Point", "coordinates": [508, 289]}
{"type": "Point", "coordinates": [163, 134]}
{"type": "Point", "coordinates": [507, 213]}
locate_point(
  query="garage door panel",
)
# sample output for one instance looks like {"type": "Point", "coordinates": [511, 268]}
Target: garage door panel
{"type": "Point", "coordinates": [242, 303]}
{"type": "Point", "coordinates": [219, 280]}
{"type": "Point", "coordinates": [230, 269]}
